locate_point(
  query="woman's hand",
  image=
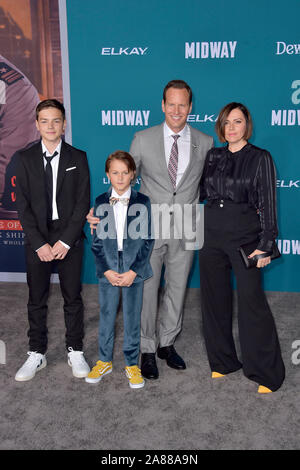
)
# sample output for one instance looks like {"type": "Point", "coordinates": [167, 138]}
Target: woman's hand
{"type": "Point", "coordinates": [262, 262]}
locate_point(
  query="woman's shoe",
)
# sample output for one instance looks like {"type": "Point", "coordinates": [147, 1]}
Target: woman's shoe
{"type": "Point", "coordinates": [216, 375]}
{"type": "Point", "coordinates": [262, 389]}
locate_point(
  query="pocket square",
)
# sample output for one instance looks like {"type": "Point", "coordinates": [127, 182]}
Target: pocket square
{"type": "Point", "coordinates": [71, 168]}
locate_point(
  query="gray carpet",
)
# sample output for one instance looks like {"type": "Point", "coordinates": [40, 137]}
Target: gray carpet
{"type": "Point", "coordinates": [183, 410]}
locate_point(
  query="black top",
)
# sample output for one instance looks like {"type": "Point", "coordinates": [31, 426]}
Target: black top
{"type": "Point", "coordinates": [247, 176]}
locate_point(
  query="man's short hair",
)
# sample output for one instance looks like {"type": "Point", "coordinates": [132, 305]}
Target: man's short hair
{"type": "Point", "coordinates": [223, 115]}
{"type": "Point", "coordinates": [51, 103]}
{"type": "Point", "coordinates": [122, 156]}
{"type": "Point", "coordinates": [179, 84]}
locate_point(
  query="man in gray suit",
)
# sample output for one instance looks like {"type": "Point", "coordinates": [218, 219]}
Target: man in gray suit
{"type": "Point", "coordinates": [169, 159]}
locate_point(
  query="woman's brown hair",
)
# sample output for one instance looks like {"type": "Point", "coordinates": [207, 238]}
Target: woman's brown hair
{"type": "Point", "coordinates": [223, 115]}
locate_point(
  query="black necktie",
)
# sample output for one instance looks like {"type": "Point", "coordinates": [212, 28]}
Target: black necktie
{"type": "Point", "coordinates": [49, 184]}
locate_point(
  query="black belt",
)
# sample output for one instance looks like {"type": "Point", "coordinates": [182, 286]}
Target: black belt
{"type": "Point", "coordinates": [222, 202]}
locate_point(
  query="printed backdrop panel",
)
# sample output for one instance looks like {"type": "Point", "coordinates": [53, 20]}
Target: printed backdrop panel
{"type": "Point", "coordinates": [123, 53]}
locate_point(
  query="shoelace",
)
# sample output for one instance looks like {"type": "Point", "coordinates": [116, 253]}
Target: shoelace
{"type": "Point", "coordinates": [136, 372]}
{"type": "Point", "coordinates": [77, 355]}
{"type": "Point", "coordinates": [99, 367]}
{"type": "Point", "coordinates": [33, 357]}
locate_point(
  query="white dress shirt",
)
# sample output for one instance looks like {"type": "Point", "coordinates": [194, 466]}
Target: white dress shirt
{"type": "Point", "coordinates": [54, 164]}
{"type": "Point", "coordinates": [183, 144]}
{"type": "Point", "coordinates": [120, 213]}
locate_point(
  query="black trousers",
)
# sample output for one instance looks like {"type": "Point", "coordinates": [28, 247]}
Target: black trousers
{"type": "Point", "coordinates": [38, 280]}
{"type": "Point", "coordinates": [226, 228]}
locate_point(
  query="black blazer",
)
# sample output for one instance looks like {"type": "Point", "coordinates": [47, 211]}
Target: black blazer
{"type": "Point", "coordinates": [72, 195]}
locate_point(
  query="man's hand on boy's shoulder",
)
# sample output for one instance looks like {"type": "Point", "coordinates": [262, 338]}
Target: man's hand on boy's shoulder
{"type": "Point", "coordinates": [92, 220]}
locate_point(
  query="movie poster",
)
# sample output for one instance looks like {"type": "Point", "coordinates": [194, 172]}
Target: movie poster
{"type": "Point", "coordinates": [30, 71]}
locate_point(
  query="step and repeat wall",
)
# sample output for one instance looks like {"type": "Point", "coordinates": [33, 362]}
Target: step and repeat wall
{"type": "Point", "coordinates": [122, 54]}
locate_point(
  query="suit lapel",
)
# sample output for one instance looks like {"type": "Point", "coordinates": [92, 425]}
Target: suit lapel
{"type": "Point", "coordinates": [110, 209]}
{"type": "Point", "coordinates": [194, 145]}
{"type": "Point", "coordinates": [64, 159]}
{"type": "Point", "coordinates": [39, 160]}
{"type": "Point", "coordinates": [38, 171]}
{"type": "Point", "coordinates": [129, 217]}
{"type": "Point", "coordinates": [161, 156]}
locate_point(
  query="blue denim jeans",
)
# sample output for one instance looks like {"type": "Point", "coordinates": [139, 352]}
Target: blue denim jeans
{"type": "Point", "coordinates": [132, 300]}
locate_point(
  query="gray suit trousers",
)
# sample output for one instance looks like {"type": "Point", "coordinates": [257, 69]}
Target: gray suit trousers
{"type": "Point", "coordinates": [162, 323]}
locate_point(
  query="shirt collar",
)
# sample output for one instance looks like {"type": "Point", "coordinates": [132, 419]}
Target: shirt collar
{"type": "Point", "coordinates": [44, 149]}
{"type": "Point", "coordinates": [127, 194]}
{"type": "Point", "coordinates": [168, 132]}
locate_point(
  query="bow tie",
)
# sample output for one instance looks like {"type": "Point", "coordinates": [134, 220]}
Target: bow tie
{"type": "Point", "coordinates": [114, 200]}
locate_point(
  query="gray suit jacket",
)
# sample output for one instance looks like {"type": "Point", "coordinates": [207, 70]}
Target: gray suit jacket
{"type": "Point", "coordinates": [148, 151]}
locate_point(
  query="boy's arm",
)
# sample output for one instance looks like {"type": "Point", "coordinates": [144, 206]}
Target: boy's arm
{"type": "Point", "coordinates": [76, 223]}
{"type": "Point", "coordinates": [100, 258]}
{"type": "Point", "coordinates": [26, 216]}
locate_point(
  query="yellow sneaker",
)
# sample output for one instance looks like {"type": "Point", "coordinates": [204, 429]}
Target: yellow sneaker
{"type": "Point", "coordinates": [100, 370]}
{"type": "Point", "coordinates": [135, 377]}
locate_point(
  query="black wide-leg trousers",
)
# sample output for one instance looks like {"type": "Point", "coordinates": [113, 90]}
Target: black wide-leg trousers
{"type": "Point", "coordinates": [38, 280]}
{"type": "Point", "coordinates": [227, 226]}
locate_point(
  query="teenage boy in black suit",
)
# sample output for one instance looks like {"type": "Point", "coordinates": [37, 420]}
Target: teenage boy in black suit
{"type": "Point", "coordinates": [53, 194]}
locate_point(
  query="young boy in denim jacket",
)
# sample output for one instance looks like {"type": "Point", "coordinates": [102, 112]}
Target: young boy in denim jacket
{"type": "Point", "coordinates": [122, 246]}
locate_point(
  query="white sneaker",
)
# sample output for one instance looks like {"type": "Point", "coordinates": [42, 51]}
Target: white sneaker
{"type": "Point", "coordinates": [34, 363]}
{"type": "Point", "coordinates": [78, 363]}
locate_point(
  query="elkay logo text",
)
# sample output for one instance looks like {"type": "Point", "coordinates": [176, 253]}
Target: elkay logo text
{"type": "Point", "coordinates": [288, 117]}
{"type": "Point", "coordinates": [291, 184]}
{"type": "Point", "coordinates": [124, 50]}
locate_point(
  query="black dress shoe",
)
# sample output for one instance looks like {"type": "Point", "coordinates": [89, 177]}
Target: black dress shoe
{"type": "Point", "coordinates": [148, 366]}
{"type": "Point", "coordinates": [171, 356]}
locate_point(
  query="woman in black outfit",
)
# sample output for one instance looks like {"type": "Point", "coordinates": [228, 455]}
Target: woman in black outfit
{"type": "Point", "coordinates": [238, 183]}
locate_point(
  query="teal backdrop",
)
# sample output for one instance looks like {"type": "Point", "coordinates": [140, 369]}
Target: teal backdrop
{"type": "Point", "coordinates": [122, 53]}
